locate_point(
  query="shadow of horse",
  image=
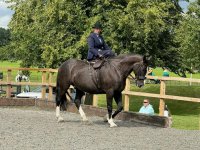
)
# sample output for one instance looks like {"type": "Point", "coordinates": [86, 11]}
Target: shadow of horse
{"type": "Point", "coordinates": [110, 79]}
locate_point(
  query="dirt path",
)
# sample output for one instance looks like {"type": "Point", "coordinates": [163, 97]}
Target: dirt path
{"type": "Point", "coordinates": [31, 128]}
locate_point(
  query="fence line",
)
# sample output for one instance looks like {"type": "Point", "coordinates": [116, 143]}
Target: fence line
{"type": "Point", "coordinates": [47, 82]}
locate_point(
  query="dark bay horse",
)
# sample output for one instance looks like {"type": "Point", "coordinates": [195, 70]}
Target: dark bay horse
{"type": "Point", "coordinates": [110, 79]}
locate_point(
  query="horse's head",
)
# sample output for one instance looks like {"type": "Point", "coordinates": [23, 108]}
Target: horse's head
{"type": "Point", "coordinates": [140, 70]}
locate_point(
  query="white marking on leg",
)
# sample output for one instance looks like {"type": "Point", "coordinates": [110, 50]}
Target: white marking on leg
{"type": "Point", "coordinates": [82, 114]}
{"type": "Point", "coordinates": [111, 122]}
{"type": "Point", "coordinates": [57, 111]}
{"type": "Point", "coordinates": [59, 118]}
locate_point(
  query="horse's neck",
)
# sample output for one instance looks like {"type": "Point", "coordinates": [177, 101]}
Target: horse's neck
{"type": "Point", "coordinates": [126, 65]}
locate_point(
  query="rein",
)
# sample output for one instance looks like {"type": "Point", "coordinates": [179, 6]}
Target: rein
{"type": "Point", "coordinates": [134, 78]}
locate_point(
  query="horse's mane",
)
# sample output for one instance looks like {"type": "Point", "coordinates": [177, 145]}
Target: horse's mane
{"type": "Point", "coordinates": [124, 56]}
{"type": "Point", "coordinates": [118, 58]}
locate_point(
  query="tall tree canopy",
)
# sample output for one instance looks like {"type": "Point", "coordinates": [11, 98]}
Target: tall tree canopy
{"type": "Point", "coordinates": [188, 36]}
{"type": "Point", "coordinates": [4, 41]}
{"type": "Point", "coordinates": [45, 33]}
{"type": "Point", "coordinates": [4, 37]}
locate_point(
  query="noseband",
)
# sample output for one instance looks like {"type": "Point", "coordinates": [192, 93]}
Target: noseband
{"type": "Point", "coordinates": [138, 77]}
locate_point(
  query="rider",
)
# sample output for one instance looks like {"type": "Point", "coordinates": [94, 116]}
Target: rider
{"type": "Point", "coordinates": [97, 46]}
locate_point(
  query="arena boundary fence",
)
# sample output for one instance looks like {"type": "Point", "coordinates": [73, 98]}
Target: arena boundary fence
{"type": "Point", "coordinates": [48, 82]}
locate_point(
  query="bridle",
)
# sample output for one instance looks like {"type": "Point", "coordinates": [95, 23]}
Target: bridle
{"type": "Point", "coordinates": [138, 77]}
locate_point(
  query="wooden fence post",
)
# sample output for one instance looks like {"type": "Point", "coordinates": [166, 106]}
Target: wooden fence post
{"type": "Point", "coordinates": [126, 99]}
{"type": "Point", "coordinates": [162, 101]}
{"type": "Point", "coordinates": [95, 100]}
{"type": "Point", "coordinates": [43, 86]}
{"type": "Point", "coordinates": [8, 89]}
{"type": "Point", "coordinates": [50, 96]}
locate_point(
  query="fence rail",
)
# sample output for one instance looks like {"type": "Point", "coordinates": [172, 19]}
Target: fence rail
{"type": "Point", "coordinates": [47, 82]}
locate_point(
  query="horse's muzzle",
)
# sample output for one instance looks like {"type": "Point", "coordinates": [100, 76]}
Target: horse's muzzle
{"type": "Point", "coordinates": [140, 83]}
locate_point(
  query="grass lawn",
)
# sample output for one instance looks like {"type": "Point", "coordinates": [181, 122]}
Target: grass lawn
{"type": "Point", "coordinates": [185, 114]}
{"type": "Point", "coordinates": [159, 72]}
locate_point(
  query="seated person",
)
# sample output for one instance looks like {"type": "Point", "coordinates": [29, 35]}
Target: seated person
{"type": "Point", "coordinates": [97, 46]}
{"type": "Point", "coordinates": [146, 108]}
{"type": "Point", "coordinates": [165, 73]}
{"type": "Point", "coordinates": [151, 73]}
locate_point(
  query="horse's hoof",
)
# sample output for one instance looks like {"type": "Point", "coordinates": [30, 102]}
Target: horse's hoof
{"type": "Point", "coordinates": [85, 120]}
{"type": "Point", "coordinates": [60, 119]}
{"type": "Point", "coordinates": [113, 125]}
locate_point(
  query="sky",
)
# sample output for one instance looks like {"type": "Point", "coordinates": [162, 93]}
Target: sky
{"type": "Point", "coordinates": [6, 13]}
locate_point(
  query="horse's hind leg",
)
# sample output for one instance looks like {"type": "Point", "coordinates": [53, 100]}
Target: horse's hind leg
{"type": "Point", "coordinates": [60, 101]}
{"type": "Point", "coordinates": [77, 101]}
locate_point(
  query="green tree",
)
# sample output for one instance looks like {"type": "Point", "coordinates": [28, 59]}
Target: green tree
{"type": "Point", "coordinates": [46, 33]}
{"type": "Point", "coordinates": [143, 27]}
{"type": "Point", "coordinates": [188, 36]}
{"type": "Point", "coordinates": [4, 37]}
{"type": "Point", "coordinates": [4, 42]}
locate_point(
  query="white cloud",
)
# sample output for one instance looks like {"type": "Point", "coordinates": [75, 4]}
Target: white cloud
{"type": "Point", "coordinates": [4, 21]}
{"type": "Point", "coordinates": [5, 14]}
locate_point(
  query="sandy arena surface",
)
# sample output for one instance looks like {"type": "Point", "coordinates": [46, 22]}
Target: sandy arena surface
{"type": "Point", "coordinates": [34, 129]}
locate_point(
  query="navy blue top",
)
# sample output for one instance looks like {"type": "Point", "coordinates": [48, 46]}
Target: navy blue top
{"type": "Point", "coordinates": [95, 43]}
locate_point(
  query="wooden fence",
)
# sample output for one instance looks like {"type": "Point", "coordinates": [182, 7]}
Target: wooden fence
{"type": "Point", "coordinates": [44, 83]}
{"type": "Point", "coordinates": [48, 83]}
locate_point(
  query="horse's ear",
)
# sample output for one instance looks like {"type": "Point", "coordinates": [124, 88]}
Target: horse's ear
{"type": "Point", "coordinates": [146, 59]}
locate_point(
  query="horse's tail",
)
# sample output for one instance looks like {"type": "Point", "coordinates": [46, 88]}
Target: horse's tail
{"type": "Point", "coordinates": [58, 99]}
{"type": "Point", "coordinates": [61, 91]}
{"type": "Point", "coordinates": [61, 99]}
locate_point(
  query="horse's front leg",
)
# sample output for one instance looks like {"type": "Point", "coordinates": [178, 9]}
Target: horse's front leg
{"type": "Point", "coordinates": [118, 100]}
{"type": "Point", "coordinates": [77, 101]}
{"type": "Point", "coordinates": [109, 97]}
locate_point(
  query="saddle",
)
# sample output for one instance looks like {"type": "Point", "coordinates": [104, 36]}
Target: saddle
{"type": "Point", "coordinates": [97, 64]}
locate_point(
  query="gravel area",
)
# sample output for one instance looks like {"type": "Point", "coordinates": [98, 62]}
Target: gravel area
{"type": "Point", "coordinates": [31, 128]}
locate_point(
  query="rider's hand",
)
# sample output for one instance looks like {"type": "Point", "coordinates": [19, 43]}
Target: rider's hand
{"type": "Point", "coordinates": [100, 55]}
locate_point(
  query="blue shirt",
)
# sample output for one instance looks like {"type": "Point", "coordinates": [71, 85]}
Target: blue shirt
{"type": "Point", "coordinates": [166, 74]}
{"type": "Point", "coordinates": [147, 110]}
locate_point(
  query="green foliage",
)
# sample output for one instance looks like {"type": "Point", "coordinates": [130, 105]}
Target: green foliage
{"type": "Point", "coordinates": [188, 36]}
{"type": "Point", "coordinates": [46, 33]}
{"type": "Point", "coordinates": [4, 37]}
{"type": "Point", "coordinates": [4, 41]}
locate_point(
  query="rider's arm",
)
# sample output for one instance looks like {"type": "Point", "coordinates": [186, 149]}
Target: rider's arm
{"type": "Point", "coordinates": [106, 47]}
